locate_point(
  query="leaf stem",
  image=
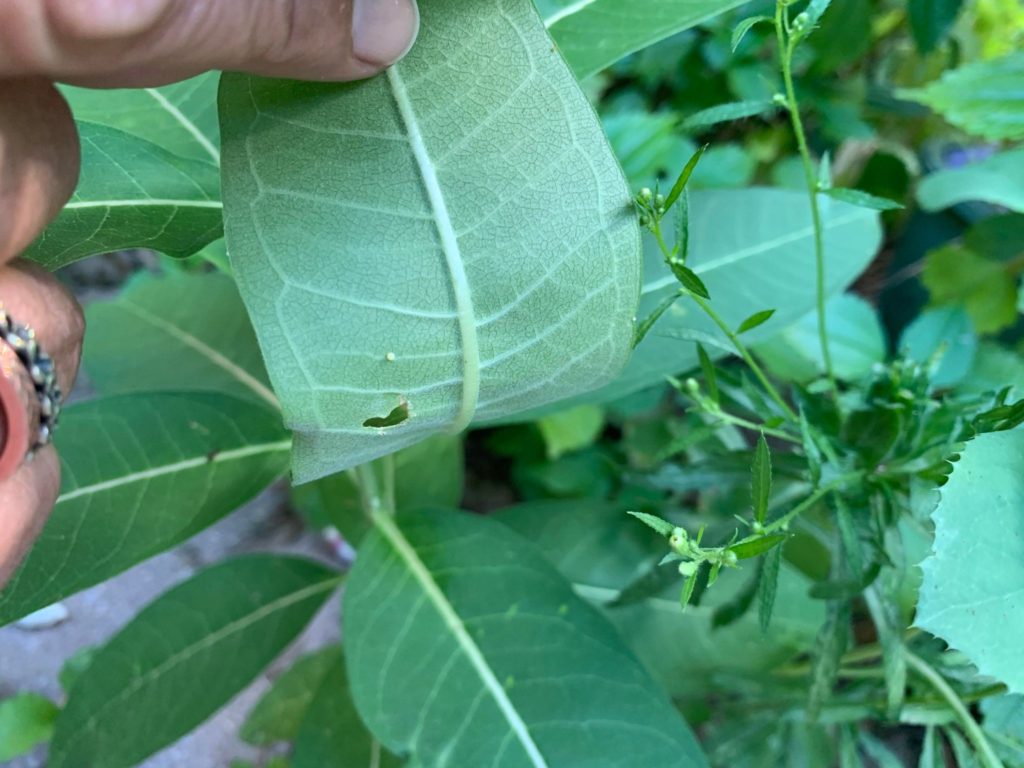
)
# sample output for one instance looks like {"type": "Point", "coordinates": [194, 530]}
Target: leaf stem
{"type": "Point", "coordinates": [970, 726]}
{"type": "Point", "coordinates": [810, 501]}
{"type": "Point", "coordinates": [375, 502]}
{"type": "Point", "coordinates": [786, 48]}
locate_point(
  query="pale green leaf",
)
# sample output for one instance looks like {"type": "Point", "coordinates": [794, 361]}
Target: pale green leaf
{"type": "Point", "coordinates": [983, 287]}
{"type": "Point", "coordinates": [751, 248]}
{"type": "Point", "coordinates": [282, 709]}
{"type": "Point", "coordinates": [723, 113]}
{"type": "Point", "coordinates": [428, 474]}
{"type": "Point", "coordinates": [856, 342]}
{"type": "Point", "coordinates": [571, 430]}
{"type": "Point", "coordinates": [455, 607]}
{"type": "Point", "coordinates": [1004, 721]}
{"type": "Point", "coordinates": [745, 26]}
{"type": "Point", "coordinates": [331, 734]}
{"type": "Point", "coordinates": [944, 338]}
{"type": "Point", "coordinates": [593, 34]}
{"type": "Point", "coordinates": [132, 194]}
{"type": "Point", "coordinates": [180, 117]}
{"type": "Point", "coordinates": [930, 21]}
{"type": "Point", "coordinates": [815, 10]}
{"type": "Point", "coordinates": [205, 639]}
{"type": "Point", "coordinates": [998, 180]}
{"type": "Point", "coordinates": [140, 474]}
{"type": "Point", "coordinates": [994, 368]}
{"type": "Point", "coordinates": [462, 278]}
{"type": "Point", "coordinates": [863, 199]}
{"type": "Point", "coordinates": [664, 527]}
{"type": "Point", "coordinates": [26, 720]}
{"type": "Point", "coordinates": [929, 758]}
{"type": "Point", "coordinates": [982, 98]}
{"type": "Point", "coordinates": [971, 596]}
{"type": "Point", "coordinates": [176, 333]}
{"type": "Point", "coordinates": [889, 626]}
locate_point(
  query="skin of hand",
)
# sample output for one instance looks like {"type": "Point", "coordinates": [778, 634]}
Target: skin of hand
{"type": "Point", "coordinates": [133, 43]}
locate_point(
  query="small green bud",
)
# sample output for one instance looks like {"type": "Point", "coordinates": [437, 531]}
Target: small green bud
{"type": "Point", "coordinates": [729, 558]}
{"type": "Point", "coordinates": [645, 220]}
{"type": "Point", "coordinates": [659, 201]}
{"type": "Point", "coordinates": [679, 541]}
{"type": "Point", "coordinates": [646, 195]}
{"type": "Point", "coordinates": [692, 386]}
{"type": "Point", "coordinates": [687, 568]}
{"type": "Point", "coordinates": [800, 22]}
{"type": "Point", "coordinates": [757, 528]}
{"type": "Point", "coordinates": [779, 99]}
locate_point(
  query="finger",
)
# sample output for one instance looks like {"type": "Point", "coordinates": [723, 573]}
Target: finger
{"type": "Point", "coordinates": [33, 297]}
{"type": "Point", "coordinates": [148, 42]}
{"type": "Point", "coordinates": [38, 159]}
{"type": "Point", "coordinates": [26, 500]}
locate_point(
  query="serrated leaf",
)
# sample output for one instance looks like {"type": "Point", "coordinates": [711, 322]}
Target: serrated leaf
{"type": "Point", "coordinates": [26, 719]}
{"type": "Point", "coordinates": [930, 22]}
{"type": "Point", "coordinates": [664, 527]}
{"type": "Point", "coordinates": [747, 549]}
{"type": "Point", "coordinates": [811, 450]}
{"type": "Point", "coordinates": [452, 640]}
{"type": "Point", "coordinates": [889, 625]}
{"type": "Point", "coordinates": [724, 113]}
{"type": "Point", "coordinates": [707, 367]}
{"type": "Point", "coordinates": [862, 199]}
{"type": "Point", "coordinates": [282, 709]}
{"type": "Point", "coordinates": [233, 618]}
{"type": "Point", "coordinates": [180, 117]}
{"type": "Point", "coordinates": [593, 34]}
{"type": "Point", "coordinates": [132, 194]}
{"type": "Point", "coordinates": [467, 302]}
{"type": "Point", "coordinates": [998, 180]}
{"type": "Point", "coordinates": [756, 319]}
{"type": "Point", "coordinates": [689, 280]}
{"type": "Point", "coordinates": [761, 479]}
{"type": "Point", "coordinates": [971, 595]}
{"type": "Point", "coordinates": [141, 473]}
{"type": "Point", "coordinates": [982, 98]}
{"type": "Point", "coordinates": [176, 333]}
{"type": "Point", "coordinates": [331, 734]}
{"type": "Point", "coordinates": [828, 650]}
{"type": "Point", "coordinates": [745, 26]}
{"type": "Point", "coordinates": [768, 588]}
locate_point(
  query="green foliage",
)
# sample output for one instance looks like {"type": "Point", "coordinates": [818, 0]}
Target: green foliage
{"type": "Point", "coordinates": [222, 627]}
{"type": "Point", "coordinates": [982, 98]}
{"type": "Point", "coordinates": [511, 310]}
{"type": "Point", "coordinates": [930, 20]}
{"type": "Point", "coordinates": [25, 720]}
{"type": "Point", "coordinates": [571, 430]}
{"type": "Point", "coordinates": [467, 667]}
{"type": "Point", "coordinates": [998, 180]}
{"type": "Point", "coordinates": [986, 289]}
{"type": "Point", "coordinates": [972, 603]}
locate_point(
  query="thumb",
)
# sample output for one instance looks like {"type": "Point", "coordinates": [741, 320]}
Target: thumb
{"type": "Point", "coordinates": [149, 42]}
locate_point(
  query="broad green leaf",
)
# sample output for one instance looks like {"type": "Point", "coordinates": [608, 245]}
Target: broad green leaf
{"type": "Point", "coordinates": [995, 367]}
{"type": "Point", "coordinates": [26, 720]}
{"type": "Point", "coordinates": [180, 117]}
{"type": "Point", "coordinates": [986, 289]}
{"type": "Point", "coordinates": [761, 479]}
{"type": "Point", "coordinates": [971, 596]}
{"type": "Point", "coordinates": [140, 474]}
{"type": "Point", "coordinates": [930, 21]}
{"type": "Point", "coordinates": [428, 474]}
{"type": "Point", "coordinates": [945, 338]}
{"type": "Point", "coordinates": [856, 342]}
{"type": "Point", "coordinates": [132, 194]}
{"type": "Point", "coordinates": [278, 715]}
{"type": "Point", "coordinates": [201, 642]}
{"type": "Point", "coordinates": [176, 333]}
{"type": "Point", "coordinates": [982, 98]}
{"type": "Point", "coordinates": [331, 734]}
{"type": "Point", "coordinates": [571, 430]}
{"type": "Point", "coordinates": [1004, 721]}
{"type": "Point", "coordinates": [863, 199]}
{"type": "Point", "coordinates": [723, 113]}
{"type": "Point", "coordinates": [464, 278]}
{"type": "Point", "coordinates": [998, 180]}
{"type": "Point", "coordinates": [751, 248]}
{"type": "Point", "coordinates": [593, 34]}
{"type": "Point", "coordinates": [444, 616]}
{"type": "Point", "coordinates": [601, 551]}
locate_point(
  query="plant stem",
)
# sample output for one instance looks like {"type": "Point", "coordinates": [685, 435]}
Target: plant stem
{"type": "Point", "coordinates": [786, 49]}
{"type": "Point", "coordinates": [373, 500]}
{"type": "Point", "coordinates": [739, 346]}
{"type": "Point", "coordinates": [810, 501]}
{"type": "Point", "coordinates": [970, 726]}
{"type": "Point", "coordinates": [728, 418]}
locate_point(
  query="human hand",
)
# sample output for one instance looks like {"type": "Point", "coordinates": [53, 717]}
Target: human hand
{"type": "Point", "coordinates": [125, 43]}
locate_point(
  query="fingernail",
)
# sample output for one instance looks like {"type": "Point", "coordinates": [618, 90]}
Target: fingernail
{"type": "Point", "coordinates": [383, 31]}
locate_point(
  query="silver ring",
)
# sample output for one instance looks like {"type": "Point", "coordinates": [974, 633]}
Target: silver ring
{"type": "Point", "coordinates": [41, 370]}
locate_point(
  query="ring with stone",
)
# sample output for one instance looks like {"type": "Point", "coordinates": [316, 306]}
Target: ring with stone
{"type": "Point", "coordinates": [30, 397]}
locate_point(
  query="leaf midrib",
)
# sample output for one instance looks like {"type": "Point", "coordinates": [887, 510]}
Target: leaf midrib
{"type": "Point", "coordinates": [386, 525]}
{"type": "Point", "coordinates": [452, 253]}
{"type": "Point", "coordinates": [187, 124]}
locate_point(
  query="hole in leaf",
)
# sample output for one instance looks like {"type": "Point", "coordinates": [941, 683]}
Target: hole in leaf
{"type": "Point", "coordinates": [393, 419]}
